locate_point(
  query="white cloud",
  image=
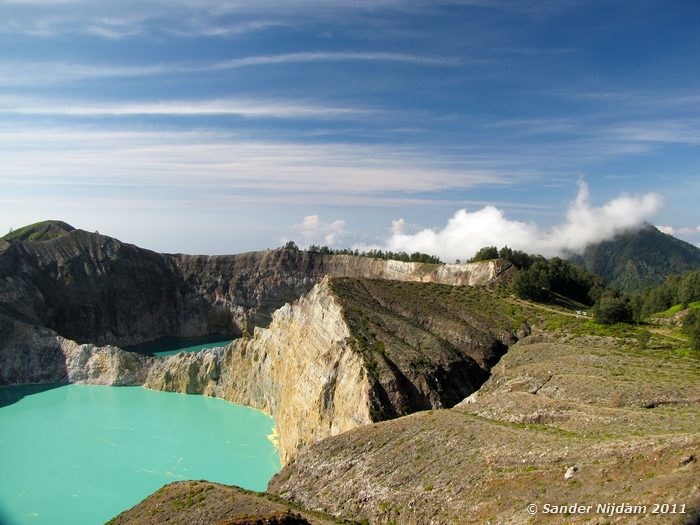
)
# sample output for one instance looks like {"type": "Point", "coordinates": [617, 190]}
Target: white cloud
{"type": "Point", "coordinates": [60, 17]}
{"type": "Point", "coordinates": [682, 230]}
{"type": "Point", "coordinates": [334, 56]}
{"type": "Point", "coordinates": [239, 107]}
{"type": "Point", "coordinates": [29, 73]}
{"type": "Point", "coordinates": [315, 231]}
{"type": "Point", "coordinates": [222, 163]}
{"type": "Point", "coordinates": [401, 226]}
{"type": "Point", "coordinates": [398, 226]}
{"type": "Point", "coordinates": [585, 224]}
{"type": "Point", "coordinates": [212, 29]}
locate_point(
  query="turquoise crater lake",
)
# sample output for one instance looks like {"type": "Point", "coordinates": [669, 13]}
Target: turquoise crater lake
{"type": "Point", "coordinates": [174, 345]}
{"type": "Point", "coordinates": [80, 454]}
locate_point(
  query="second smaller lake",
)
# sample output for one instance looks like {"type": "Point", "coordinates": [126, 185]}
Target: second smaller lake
{"type": "Point", "coordinates": [175, 345]}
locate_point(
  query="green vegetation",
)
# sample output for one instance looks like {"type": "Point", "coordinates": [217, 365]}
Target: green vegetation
{"type": "Point", "coordinates": [39, 231]}
{"type": "Point", "coordinates": [671, 312]}
{"type": "Point", "coordinates": [485, 254]}
{"type": "Point", "coordinates": [691, 327]}
{"type": "Point", "coordinates": [540, 278]}
{"type": "Point", "coordinates": [549, 280]}
{"type": "Point", "coordinates": [612, 309]}
{"type": "Point", "coordinates": [677, 293]}
{"type": "Point", "coordinates": [537, 281]}
{"type": "Point", "coordinates": [518, 258]}
{"type": "Point", "coordinates": [531, 284]}
{"type": "Point", "coordinates": [544, 280]}
{"type": "Point", "coordinates": [378, 254]}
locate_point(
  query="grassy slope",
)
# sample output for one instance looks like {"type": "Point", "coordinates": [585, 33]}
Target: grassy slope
{"type": "Point", "coordinates": [39, 231]}
{"type": "Point", "coordinates": [672, 311]}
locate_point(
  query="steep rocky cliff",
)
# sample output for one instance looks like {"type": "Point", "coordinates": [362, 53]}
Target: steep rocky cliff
{"type": "Point", "coordinates": [319, 369]}
{"type": "Point", "coordinates": [96, 289]}
{"type": "Point", "coordinates": [303, 371]}
{"type": "Point", "coordinates": [246, 288]}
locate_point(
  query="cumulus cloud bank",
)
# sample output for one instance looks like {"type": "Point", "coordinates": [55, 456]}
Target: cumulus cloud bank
{"type": "Point", "coordinates": [466, 232]}
{"type": "Point", "coordinates": [315, 231]}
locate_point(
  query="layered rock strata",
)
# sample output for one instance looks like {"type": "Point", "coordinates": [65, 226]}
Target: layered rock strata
{"type": "Point", "coordinates": [95, 289]}
{"type": "Point", "coordinates": [301, 370]}
{"type": "Point", "coordinates": [315, 369]}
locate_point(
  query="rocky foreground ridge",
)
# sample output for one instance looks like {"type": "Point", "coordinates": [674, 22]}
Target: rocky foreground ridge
{"type": "Point", "coordinates": [204, 503]}
{"type": "Point", "coordinates": [561, 420]}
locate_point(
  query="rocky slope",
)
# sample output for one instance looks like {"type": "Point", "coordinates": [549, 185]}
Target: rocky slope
{"type": "Point", "coordinates": [588, 420]}
{"type": "Point", "coordinates": [203, 503]}
{"type": "Point", "coordinates": [95, 289]}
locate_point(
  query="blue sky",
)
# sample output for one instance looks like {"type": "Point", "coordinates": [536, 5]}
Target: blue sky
{"type": "Point", "coordinates": [208, 126]}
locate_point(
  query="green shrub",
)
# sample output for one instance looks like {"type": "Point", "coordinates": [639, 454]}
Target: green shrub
{"type": "Point", "coordinates": [691, 327]}
{"type": "Point", "coordinates": [611, 310]}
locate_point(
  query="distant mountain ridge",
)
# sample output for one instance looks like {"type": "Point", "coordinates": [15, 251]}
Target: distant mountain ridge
{"type": "Point", "coordinates": [636, 260]}
{"type": "Point", "coordinates": [629, 262]}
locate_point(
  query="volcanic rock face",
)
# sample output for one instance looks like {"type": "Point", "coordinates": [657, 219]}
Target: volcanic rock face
{"type": "Point", "coordinates": [318, 368]}
{"type": "Point", "coordinates": [96, 289]}
{"type": "Point", "coordinates": [29, 354]}
{"type": "Point", "coordinates": [312, 369]}
{"type": "Point", "coordinates": [301, 370]}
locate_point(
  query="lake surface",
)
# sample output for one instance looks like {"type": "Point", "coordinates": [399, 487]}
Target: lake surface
{"type": "Point", "coordinates": [175, 345]}
{"type": "Point", "coordinates": [80, 454]}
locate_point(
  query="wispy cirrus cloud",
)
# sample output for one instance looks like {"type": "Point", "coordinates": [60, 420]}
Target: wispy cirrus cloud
{"type": "Point", "coordinates": [225, 162]}
{"type": "Point", "coordinates": [247, 108]}
{"type": "Point", "coordinates": [30, 73]}
{"type": "Point", "coordinates": [337, 56]}
{"type": "Point", "coordinates": [213, 28]}
{"type": "Point", "coordinates": [662, 130]}
{"type": "Point", "coordinates": [200, 18]}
